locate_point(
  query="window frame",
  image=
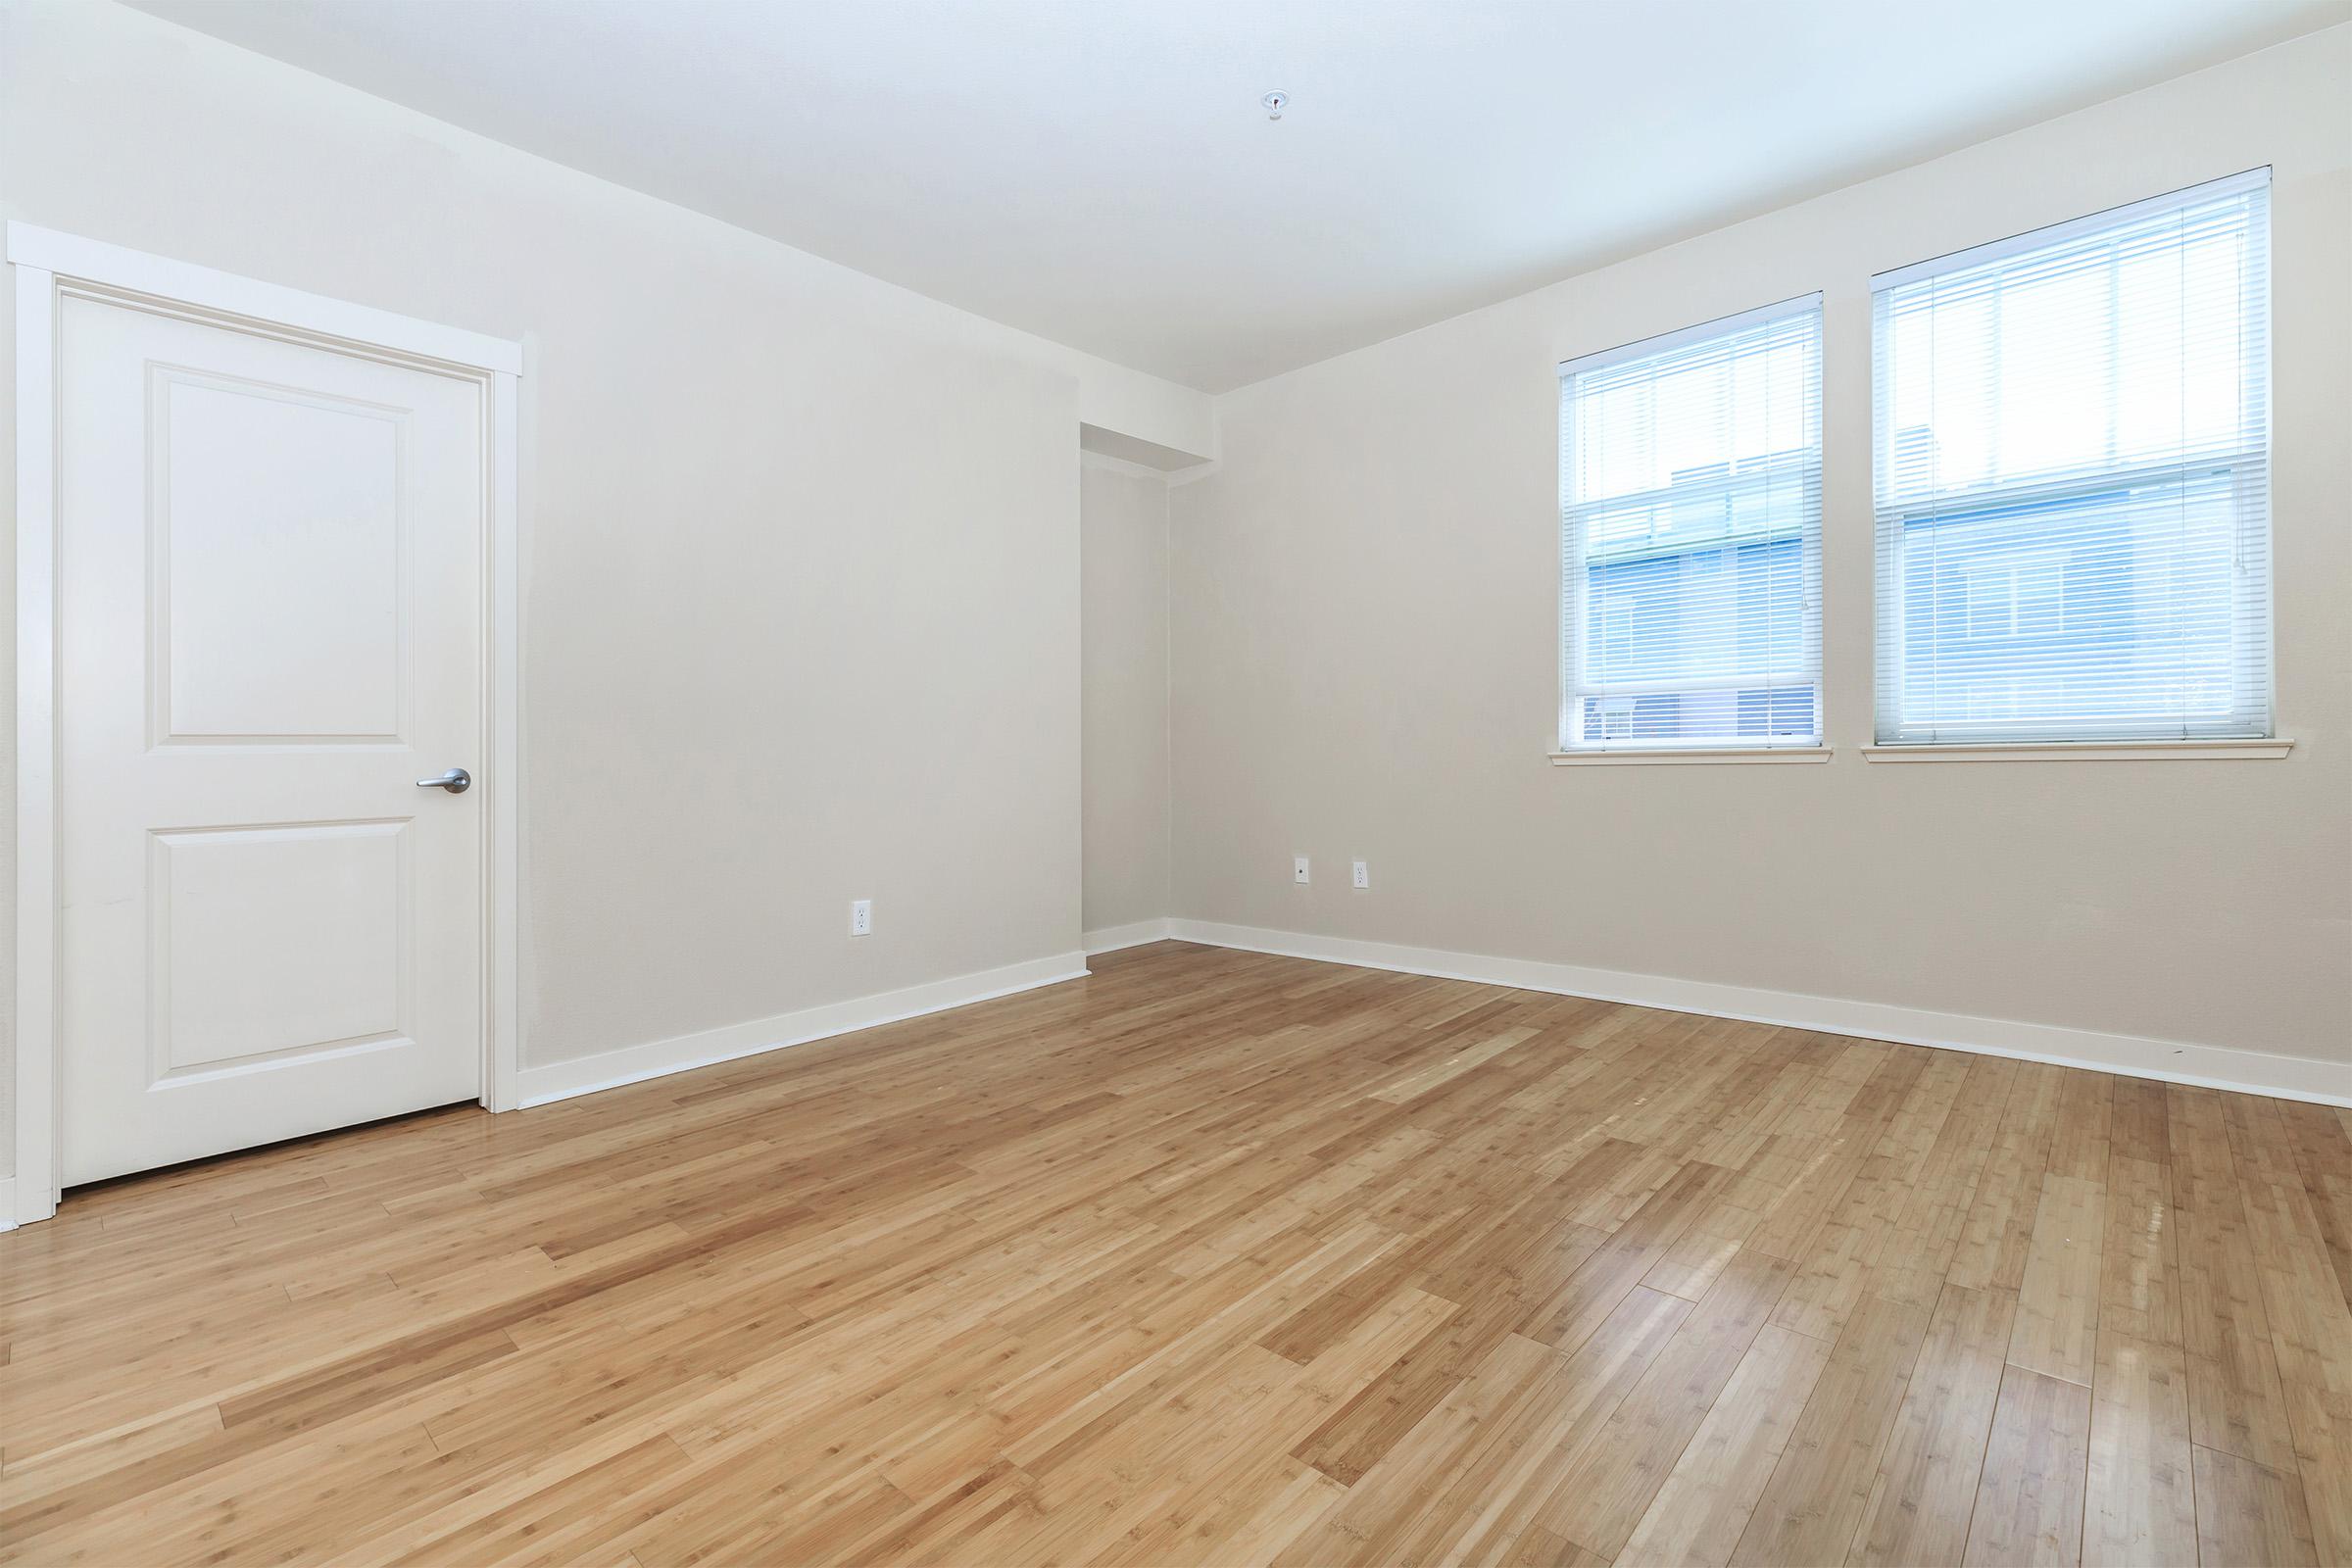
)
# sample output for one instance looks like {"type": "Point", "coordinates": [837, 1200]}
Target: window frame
{"type": "Point", "coordinates": [2245, 462]}
{"type": "Point", "coordinates": [1573, 562]}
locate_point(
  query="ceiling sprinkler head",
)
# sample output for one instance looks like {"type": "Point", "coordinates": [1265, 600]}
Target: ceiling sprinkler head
{"type": "Point", "coordinates": [1275, 103]}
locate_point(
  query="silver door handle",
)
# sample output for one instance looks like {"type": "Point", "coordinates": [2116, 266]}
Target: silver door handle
{"type": "Point", "coordinates": [455, 781]}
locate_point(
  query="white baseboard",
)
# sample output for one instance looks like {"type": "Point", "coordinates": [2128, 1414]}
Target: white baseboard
{"type": "Point", "coordinates": [7, 1202]}
{"type": "Point", "coordinates": [2171, 1062]}
{"type": "Point", "coordinates": [1111, 938]}
{"type": "Point", "coordinates": [561, 1080]}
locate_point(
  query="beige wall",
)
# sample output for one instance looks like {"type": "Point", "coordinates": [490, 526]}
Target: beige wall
{"type": "Point", "coordinates": [801, 557]}
{"type": "Point", "coordinates": [1123, 616]}
{"type": "Point", "coordinates": [1365, 620]}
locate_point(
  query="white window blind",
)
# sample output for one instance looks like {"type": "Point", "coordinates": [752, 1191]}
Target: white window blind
{"type": "Point", "coordinates": [2073, 489]}
{"type": "Point", "coordinates": [1690, 537]}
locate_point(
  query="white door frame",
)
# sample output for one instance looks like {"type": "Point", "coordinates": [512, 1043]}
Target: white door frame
{"type": "Point", "coordinates": [51, 267]}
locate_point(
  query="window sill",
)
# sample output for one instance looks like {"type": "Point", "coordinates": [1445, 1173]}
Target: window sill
{"type": "Point", "coordinates": [1631, 757]}
{"type": "Point", "coordinates": [2230, 751]}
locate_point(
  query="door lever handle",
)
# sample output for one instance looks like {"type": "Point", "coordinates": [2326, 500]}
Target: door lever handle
{"type": "Point", "coordinates": [455, 781]}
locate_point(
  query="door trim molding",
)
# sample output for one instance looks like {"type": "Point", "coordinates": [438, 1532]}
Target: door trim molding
{"type": "Point", "coordinates": [49, 267]}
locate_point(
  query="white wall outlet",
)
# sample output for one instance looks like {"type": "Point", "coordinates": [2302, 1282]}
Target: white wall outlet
{"type": "Point", "coordinates": [1298, 868]}
{"type": "Point", "coordinates": [1363, 874]}
{"type": "Point", "coordinates": [861, 918]}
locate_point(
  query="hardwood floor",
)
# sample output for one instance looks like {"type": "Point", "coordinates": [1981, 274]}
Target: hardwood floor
{"type": "Point", "coordinates": [1221, 1259]}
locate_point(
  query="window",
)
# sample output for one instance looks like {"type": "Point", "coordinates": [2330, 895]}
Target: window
{"type": "Point", "coordinates": [2073, 443]}
{"type": "Point", "coordinates": [1690, 538]}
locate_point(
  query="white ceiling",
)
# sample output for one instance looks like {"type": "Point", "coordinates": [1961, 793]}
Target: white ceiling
{"type": "Point", "coordinates": [1099, 173]}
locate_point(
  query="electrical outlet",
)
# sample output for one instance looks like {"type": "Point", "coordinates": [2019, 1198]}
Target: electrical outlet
{"type": "Point", "coordinates": [1298, 868]}
{"type": "Point", "coordinates": [1363, 874]}
{"type": "Point", "coordinates": [861, 918]}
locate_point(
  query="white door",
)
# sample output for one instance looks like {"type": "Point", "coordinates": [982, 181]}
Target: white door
{"type": "Point", "coordinates": [269, 559]}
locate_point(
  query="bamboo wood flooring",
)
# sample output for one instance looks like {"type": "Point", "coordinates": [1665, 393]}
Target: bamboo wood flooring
{"type": "Point", "coordinates": [1221, 1258]}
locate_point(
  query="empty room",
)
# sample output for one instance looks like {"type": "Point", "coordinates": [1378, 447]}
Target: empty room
{"type": "Point", "coordinates": [1315, 783]}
